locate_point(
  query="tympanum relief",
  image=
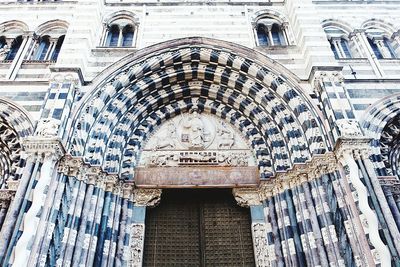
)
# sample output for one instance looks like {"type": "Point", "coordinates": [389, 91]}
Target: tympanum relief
{"type": "Point", "coordinates": [194, 139]}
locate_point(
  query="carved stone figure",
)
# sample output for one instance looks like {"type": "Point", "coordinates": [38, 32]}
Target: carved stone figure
{"type": "Point", "coordinates": [349, 128]}
{"type": "Point", "coordinates": [196, 131]}
{"type": "Point", "coordinates": [226, 138]}
{"type": "Point", "coordinates": [167, 141]}
{"type": "Point", "coordinates": [47, 128]}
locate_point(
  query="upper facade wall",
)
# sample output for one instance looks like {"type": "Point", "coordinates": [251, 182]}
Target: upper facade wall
{"type": "Point", "coordinates": [86, 47]}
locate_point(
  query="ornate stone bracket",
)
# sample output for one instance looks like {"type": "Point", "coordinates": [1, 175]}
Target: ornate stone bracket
{"type": "Point", "coordinates": [147, 197]}
{"type": "Point", "coordinates": [246, 197]}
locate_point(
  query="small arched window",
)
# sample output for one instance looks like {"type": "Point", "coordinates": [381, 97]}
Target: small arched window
{"type": "Point", "coordinates": [388, 45]}
{"type": "Point", "coordinates": [341, 42]}
{"type": "Point", "coordinates": [15, 45]}
{"type": "Point", "coordinates": [262, 35]}
{"type": "Point", "coordinates": [277, 35]}
{"type": "Point", "coordinates": [43, 48]}
{"type": "Point", "coordinates": [113, 36]}
{"type": "Point", "coordinates": [270, 32]}
{"type": "Point", "coordinates": [57, 48]}
{"type": "Point", "coordinates": [375, 48]}
{"type": "Point", "coordinates": [127, 36]}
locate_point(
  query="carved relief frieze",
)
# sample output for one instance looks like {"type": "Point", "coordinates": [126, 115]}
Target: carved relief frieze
{"type": "Point", "coordinates": [260, 244]}
{"type": "Point", "coordinates": [137, 244]}
{"type": "Point", "coordinates": [195, 139]}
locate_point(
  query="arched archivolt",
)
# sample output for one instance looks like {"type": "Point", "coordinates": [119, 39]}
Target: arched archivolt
{"type": "Point", "coordinates": [379, 123]}
{"type": "Point", "coordinates": [13, 27]}
{"type": "Point", "coordinates": [269, 13]}
{"type": "Point", "coordinates": [15, 123]}
{"type": "Point", "coordinates": [246, 89]}
{"type": "Point", "coordinates": [121, 15]}
{"type": "Point", "coordinates": [386, 28]}
{"type": "Point", "coordinates": [55, 27]}
{"type": "Point", "coordinates": [337, 24]}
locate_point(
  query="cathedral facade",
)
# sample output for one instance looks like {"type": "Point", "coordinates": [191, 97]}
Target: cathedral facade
{"type": "Point", "coordinates": [199, 133]}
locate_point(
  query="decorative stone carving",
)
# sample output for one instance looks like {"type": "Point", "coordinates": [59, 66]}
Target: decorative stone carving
{"type": "Point", "coordinates": [137, 244]}
{"type": "Point", "coordinates": [47, 128]}
{"type": "Point", "coordinates": [195, 139]}
{"type": "Point", "coordinates": [195, 158]}
{"type": "Point", "coordinates": [147, 197]}
{"type": "Point", "coordinates": [349, 128]}
{"type": "Point", "coordinates": [246, 197]}
{"type": "Point", "coordinates": [260, 244]}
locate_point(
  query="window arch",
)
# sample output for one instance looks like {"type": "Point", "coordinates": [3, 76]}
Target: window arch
{"type": "Point", "coordinates": [341, 42]}
{"type": "Point", "coordinates": [271, 32]}
{"type": "Point", "coordinates": [57, 48]}
{"type": "Point", "coordinates": [113, 35]}
{"type": "Point", "coordinates": [11, 39]}
{"type": "Point", "coordinates": [120, 30]}
{"type": "Point", "coordinates": [379, 40]}
{"type": "Point", "coordinates": [15, 45]}
{"type": "Point", "coordinates": [49, 40]}
{"type": "Point", "coordinates": [127, 36]}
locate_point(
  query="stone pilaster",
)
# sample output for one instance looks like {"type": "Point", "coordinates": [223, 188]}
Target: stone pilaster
{"type": "Point", "coordinates": [347, 150]}
{"type": "Point", "coordinates": [49, 150]}
{"type": "Point", "coordinates": [142, 198]}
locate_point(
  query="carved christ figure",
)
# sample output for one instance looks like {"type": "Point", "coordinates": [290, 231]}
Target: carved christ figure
{"type": "Point", "coordinates": [196, 130]}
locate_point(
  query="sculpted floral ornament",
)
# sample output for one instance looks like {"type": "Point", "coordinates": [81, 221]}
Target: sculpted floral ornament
{"type": "Point", "coordinates": [47, 128]}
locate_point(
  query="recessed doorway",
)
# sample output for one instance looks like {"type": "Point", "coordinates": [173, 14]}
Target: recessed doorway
{"type": "Point", "coordinates": [198, 227]}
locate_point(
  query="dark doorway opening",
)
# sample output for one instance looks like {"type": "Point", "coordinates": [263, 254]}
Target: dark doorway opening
{"type": "Point", "coordinates": [198, 227]}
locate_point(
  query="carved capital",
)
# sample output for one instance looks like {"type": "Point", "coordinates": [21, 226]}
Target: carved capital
{"type": "Point", "coordinates": [49, 147]}
{"type": "Point", "coordinates": [147, 197]}
{"type": "Point", "coordinates": [246, 197]}
{"type": "Point", "coordinates": [356, 147]}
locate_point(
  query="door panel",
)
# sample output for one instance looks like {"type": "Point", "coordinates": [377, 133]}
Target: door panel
{"type": "Point", "coordinates": [198, 228]}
